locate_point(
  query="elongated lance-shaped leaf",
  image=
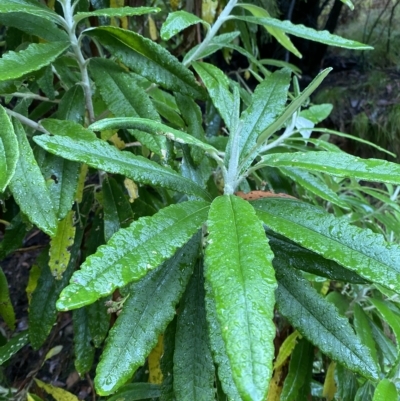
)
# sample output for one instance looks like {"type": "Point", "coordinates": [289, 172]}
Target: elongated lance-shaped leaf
{"type": "Point", "coordinates": [29, 187]}
{"type": "Point", "coordinates": [37, 55]}
{"type": "Point", "coordinates": [337, 164]}
{"type": "Point", "coordinates": [320, 322]}
{"type": "Point", "coordinates": [300, 370]}
{"type": "Point", "coordinates": [83, 349]}
{"type": "Point", "coordinates": [116, 12]}
{"type": "Point", "coordinates": [99, 154]}
{"type": "Point", "coordinates": [9, 151]}
{"type": "Point", "coordinates": [304, 32]}
{"type": "Point", "coordinates": [154, 127]}
{"type": "Point", "coordinates": [6, 307]}
{"type": "Point", "coordinates": [98, 321]}
{"type": "Point", "coordinates": [70, 129]}
{"type": "Point", "coordinates": [136, 391]}
{"type": "Point", "coordinates": [218, 348]}
{"type": "Point", "coordinates": [132, 252]}
{"type": "Point", "coordinates": [29, 7]}
{"type": "Point", "coordinates": [217, 84]}
{"type": "Point", "coordinates": [267, 103]}
{"type": "Point", "coordinates": [293, 106]}
{"type": "Point", "coordinates": [42, 309]}
{"type": "Point", "coordinates": [362, 251]}
{"type": "Point", "coordinates": [146, 313]}
{"type": "Point", "coordinates": [148, 59]}
{"type": "Point", "coordinates": [315, 185]}
{"type": "Point", "coordinates": [13, 346]}
{"type": "Point", "coordinates": [178, 21]}
{"type": "Point", "coordinates": [193, 364]}
{"type": "Point", "coordinates": [167, 363]}
{"type": "Point", "coordinates": [239, 271]}
{"type": "Point", "coordinates": [385, 390]}
{"type": "Point", "coordinates": [301, 258]}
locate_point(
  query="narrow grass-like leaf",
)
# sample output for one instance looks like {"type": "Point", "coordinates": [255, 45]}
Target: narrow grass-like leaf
{"type": "Point", "coordinates": [148, 59]}
{"type": "Point", "coordinates": [29, 7]}
{"type": "Point", "coordinates": [116, 12]}
{"type": "Point", "coordinates": [193, 364]}
{"type": "Point", "coordinates": [218, 348]}
{"type": "Point", "coordinates": [58, 393]}
{"type": "Point", "coordinates": [9, 151]}
{"type": "Point", "coordinates": [13, 346]}
{"type": "Point", "coordinates": [29, 187]}
{"type": "Point", "coordinates": [239, 271]}
{"type": "Point", "coordinates": [320, 322]}
{"type": "Point", "coordinates": [300, 370]}
{"type": "Point", "coordinates": [42, 309]}
{"type": "Point", "coordinates": [178, 21]}
{"type": "Point", "coordinates": [336, 164]}
{"type": "Point", "coordinates": [144, 317]}
{"type": "Point", "coordinates": [101, 155]}
{"type": "Point", "coordinates": [304, 32]}
{"type": "Point", "coordinates": [60, 246]}
{"type": "Point", "coordinates": [151, 126]}
{"type": "Point", "coordinates": [361, 251]}
{"type": "Point", "coordinates": [136, 391]}
{"type": "Point", "coordinates": [385, 390]}
{"type": "Point", "coordinates": [133, 252]}
{"type": "Point", "coordinates": [37, 55]}
{"type": "Point", "coordinates": [6, 307]}
{"type": "Point", "coordinates": [84, 350]}
{"type": "Point", "coordinates": [286, 349]}
{"type": "Point", "coordinates": [217, 84]}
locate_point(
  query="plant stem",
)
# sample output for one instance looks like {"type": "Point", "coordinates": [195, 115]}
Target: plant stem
{"type": "Point", "coordinates": [31, 96]}
{"type": "Point", "coordinates": [26, 121]}
{"type": "Point", "coordinates": [212, 32]}
{"type": "Point", "coordinates": [70, 27]}
{"type": "Point", "coordinates": [231, 176]}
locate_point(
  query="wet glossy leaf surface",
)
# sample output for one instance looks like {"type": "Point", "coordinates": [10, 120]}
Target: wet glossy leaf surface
{"type": "Point", "coordinates": [178, 21]}
{"type": "Point", "coordinates": [116, 12]}
{"type": "Point", "coordinates": [133, 252]}
{"type": "Point", "coordinates": [99, 154]}
{"type": "Point", "coordinates": [361, 251]}
{"type": "Point", "coordinates": [28, 7]}
{"type": "Point", "coordinates": [144, 317]}
{"type": "Point", "coordinates": [13, 346]}
{"type": "Point", "coordinates": [136, 391]}
{"type": "Point", "coordinates": [385, 390]}
{"type": "Point", "coordinates": [320, 322]}
{"type": "Point", "coordinates": [242, 282]}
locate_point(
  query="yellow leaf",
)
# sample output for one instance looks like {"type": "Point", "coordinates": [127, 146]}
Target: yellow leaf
{"type": "Point", "coordinates": [124, 20]}
{"type": "Point", "coordinates": [275, 385]}
{"type": "Point", "coordinates": [209, 10]}
{"type": "Point", "coordinates": [81, 183]}
{"type": "Point", "coordinates": [53, 352]}
{"type": "Point", "coordinates": [325, 287]}
{"type": "Point", "coordinates": [132, 189]}
{"type": "Point", "coordinates": [286, 349]}
{"type": "Point", "coordinates": [60, 244]}
{"type": "Point", "coordinates": [152, 29]}
{"type": "Point", "coordinates": [175, 4]}
{"type": "Point", "coordinates": [107, 134]}
{"type": "Point", "coordinates": [329, 384]}
{"type": "Point", "coordinates": [57, 393]}
{"type": "Point", "coordinates": [51, 4]}
{"type": "Point", "coordinates": [117, 141]}
{"type": "Point", "coordinates": [155, 374]}
{"type": "Point", "coordinates": [34, 274]}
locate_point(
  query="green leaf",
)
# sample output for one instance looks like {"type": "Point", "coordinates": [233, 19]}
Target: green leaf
{"type": "Point", "coordinates": [60, 246]}
{"type": "Point", "coordinates": [144, 317]}
{"type": "Point", "coordinates": [116, 12]}
{"type": "Point", "coordinates": [6, 307]}
{"type": "Point", "coordinates": [304, 32]}
{"type": "Point", "coordinates": [361, 251]}
{"type": "Point", "coordinates": [117, 209]}
{"type": "Point", "coordinates": [300, 370]}
{"type": "Point", "coordinates": [13, 236]}
{"type": "Point", "coordinates": [218, 348]}
{"type": "Point", "coordinates": [98, 321]}
{"type": "Point", "coordinates": [277, 33]}
{"type": "Point", "coordinates": [267, 103]}
{"type": "Point", "coordinates": [13, 346]}
{"type": "Point", "coordinates": [193, 364]}
{"type": "Point", "coordinates": [72, 105]}
{"type": "Point", "coordinates": [67, 128]}
{"type": "Point", "coordinates": [29, 188]}
{"type": "Point", "coordinates": [336, 164]}
{"type": "Point", "coordinates": [348, 3]}
{"type": "Point", "coordinates": [133, 252]}
{"type": "Point", "coordinates": [29, 7]}
{"type": "Point", "coordinates": [148, 59]}
{"type": "Point", "coordinates": [239, 270]}
{"type": "Point", "coordinates": [315, 185]}
{"type": "Point", "coordinates": [167, 363]}
{"type": "Point", "coordinates": [42, 309]}
{"type": "Point", "coordinates": [9, 151]}
{"type": "Point", "coordinates": [303, 259]}
{"type": "Point", "coordinates": [136, 391]}
{"type": "Point", "coordinates": [178, 21]}
{"type": "Point", "coordinates": [385, 390]}
{"type": "Point", "coordinates": [317, 112]}
{"type": "Point", "coordinates": [320, 322]}
{"type": "Point", "coordinates": [99, 154]}
{"type": "Point", "coordinates": [37, 55]}
{"type": "Point", "coordinates": [153, 127]}
{"type": "Point", "coordinates": [293, 106]}
{"type": "Point", "coordinates": [84, 350]}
